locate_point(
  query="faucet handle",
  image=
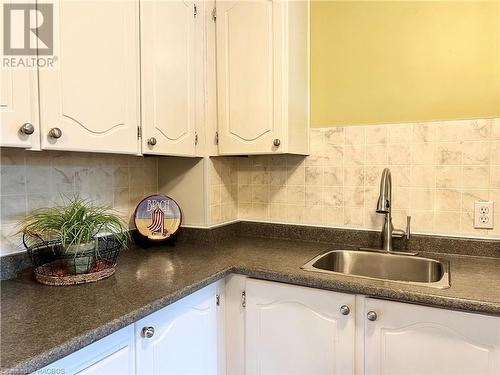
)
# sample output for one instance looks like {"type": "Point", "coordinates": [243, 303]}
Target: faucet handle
{"type": "Point", "coordinates": [408, 227]}
{"type": "Point", "coordinates": [399, 233]}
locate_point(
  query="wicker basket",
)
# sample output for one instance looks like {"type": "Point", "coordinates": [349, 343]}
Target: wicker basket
{"type": "Point", "coordinates": [53, 266]}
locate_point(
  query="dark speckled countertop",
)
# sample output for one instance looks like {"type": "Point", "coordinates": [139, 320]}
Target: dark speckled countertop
{"type": "Point", "coordinates": [40, 324]}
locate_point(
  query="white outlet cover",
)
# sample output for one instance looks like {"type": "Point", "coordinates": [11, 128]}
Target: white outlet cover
{"type": "Point", "coordinates": [484, 214]}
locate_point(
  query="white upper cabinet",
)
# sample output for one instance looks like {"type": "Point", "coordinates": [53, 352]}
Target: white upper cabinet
{"type": "Point", "coordinates": [19, 109]}
{"type": "Point", "coordinates": [246, 79]}
{"type": "Point", "coordinates": [19, 125]}
{"type": "Point", "coordinates": [263, 76]}
{"type": "Point", "coordinates": [168, 77]}
{"type": "Point", "coordinates": [410, 339]}
{"type": "Point", "coordinates": [90, 101]}
{"type": "Point", "coordinates": [183, 338]}
{"type": "Point", "coordinates": [298, 330]}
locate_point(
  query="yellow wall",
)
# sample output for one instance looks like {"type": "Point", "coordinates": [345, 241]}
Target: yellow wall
{"type": "Point", "coordinates": [404, 61]}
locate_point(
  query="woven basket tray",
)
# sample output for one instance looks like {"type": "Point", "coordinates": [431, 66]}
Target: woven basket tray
{"type": "Point", "coordinates": [74, 279]}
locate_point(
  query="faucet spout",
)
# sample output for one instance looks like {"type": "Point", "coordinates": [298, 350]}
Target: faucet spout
{"type": "Point", "coordinates": [384, 205]}
{"type": "Point", "coordinates": [384, 200]}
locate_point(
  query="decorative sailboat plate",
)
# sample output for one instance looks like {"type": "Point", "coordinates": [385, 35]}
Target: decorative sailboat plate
{"type": "Point", "coordinates": [157, 217]}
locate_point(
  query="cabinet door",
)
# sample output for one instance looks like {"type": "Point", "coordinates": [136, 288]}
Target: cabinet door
{"type": "Point", "coordinates": [93, 94]}
{"type": "Point", "coordinates": [410, 339]}
{"type": "Point", "coordinates": [168, 77]}
{"type": "Point", "coordinates": [18, 106]}
{"type": "Point", "coordinates": [186, 337]}
{"type": "Point", "coordinates": [297, 330]}
{"type": "Point", "coordinates": [112, 355]}
{"type": "Point", "coordinates": [249, 49]}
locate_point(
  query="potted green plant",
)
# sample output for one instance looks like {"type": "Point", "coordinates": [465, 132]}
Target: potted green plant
{"type": "Point", "coordinates": [76, 224]}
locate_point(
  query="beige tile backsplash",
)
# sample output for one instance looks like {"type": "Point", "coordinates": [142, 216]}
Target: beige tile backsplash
{"type": "Point", "coordinates": [222, 190]}
{"type": "Point", "coordinates": [31, 180]}
{"type": "Point", "coordinates": [438, 170]}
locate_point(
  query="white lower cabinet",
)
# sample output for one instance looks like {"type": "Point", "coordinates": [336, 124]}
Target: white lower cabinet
{"type": "Point", "coordinates": [298, 330]}
{"type": "Point", "coordinates": [409, 339]}
{"type": "Point", "coordinates": [112, 355]}
{"type": "Point", "coordinates": [187, 337]}
{"type": "Point", "coordinates": [248, 326]}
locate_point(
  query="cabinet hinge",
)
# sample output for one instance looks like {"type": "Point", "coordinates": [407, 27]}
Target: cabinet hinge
{"type": "Point", "coordinates": [217, 300]}
{"type": "Point", "coordinates": [195, 10]}
{"type": "Point", "coordinates": [196, 138]}
{"type": "Point", "coordinates": [216, 138]}
{"type": "Point", "coordinates": [214, 14]}
{"type": "Point", "coordinates": [139, 132]}
{"type": "Point", "coordinates": [243, 299]}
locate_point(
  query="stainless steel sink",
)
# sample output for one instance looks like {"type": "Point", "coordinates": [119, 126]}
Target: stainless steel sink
{"type": "Point", "coordinates": [383, 266]}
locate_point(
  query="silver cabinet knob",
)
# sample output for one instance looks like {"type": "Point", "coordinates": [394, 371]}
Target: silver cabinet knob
{"type": "Point", "coordinates": [152, 141]}
{"type": "Point", "coordinates": [27, 129]}
{"type": "Point", "coordinates": [147, 332]}
{"type": "Point", "coordinates": [372, 316]}
{"type": "Point", "coordinates": [55, 133]}
{"type": "Point", "coordinates": [277, 142]}
{"type": "Point", "coordinates": [345, 310]}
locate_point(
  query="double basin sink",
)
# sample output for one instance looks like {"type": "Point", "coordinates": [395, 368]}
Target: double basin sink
{"type": "Point", "coordinates": [383, 266]}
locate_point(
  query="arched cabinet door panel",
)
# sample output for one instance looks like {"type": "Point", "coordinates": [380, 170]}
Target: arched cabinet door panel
{"type": "Point", "coordinates": [410, 339]}
{"type": "Point", "coordinates": [249, 50]}
{"type": "Point", "coordinates": [168, 77]}
{"type": "Point", "coordinates": [92, 96]}
{"type": "Point", "coordinates": [186, 337]}
{"type": "Point", "coordinates": [263, 76]}
{"type": "Point", "coordinates": [297, 330]}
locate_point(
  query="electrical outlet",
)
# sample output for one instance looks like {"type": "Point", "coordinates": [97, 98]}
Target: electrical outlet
{"type": "Point", "coordinates": [483, 215]}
